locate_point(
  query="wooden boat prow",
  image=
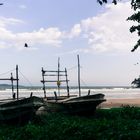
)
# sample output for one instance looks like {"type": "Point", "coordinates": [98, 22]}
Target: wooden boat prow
{"type": "Point", "coordinates": [86, 97]}
{"type": "Point", "coordinates": [19, 110]}
{"type": "Point", "coordinates": [82, 105]}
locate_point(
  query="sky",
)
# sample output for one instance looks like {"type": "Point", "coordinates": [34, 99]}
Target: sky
{"type": "Point", "coordinates": [64, 29]}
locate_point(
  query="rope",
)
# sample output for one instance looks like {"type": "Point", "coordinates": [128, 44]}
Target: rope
{"type": "Point", "coordinates": [7, 72]}
{"type": "Point", "coordinates": [74, 67]}
{"type": "Point", "coordinates": [26, 79]}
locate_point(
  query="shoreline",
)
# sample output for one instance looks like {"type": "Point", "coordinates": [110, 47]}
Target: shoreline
{"type": "Point", "coordinates": [114, 103]}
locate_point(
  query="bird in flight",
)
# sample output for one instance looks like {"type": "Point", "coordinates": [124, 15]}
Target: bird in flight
{"type": "Point", "coordinates": [26, 45]}
{"type": "Point", "coordinates": [1, 3]}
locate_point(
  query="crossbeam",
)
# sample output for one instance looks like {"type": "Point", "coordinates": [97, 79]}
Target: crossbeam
{"type": "Point", "coordinates": [53, 75]}
{"type": "Point", "coordinates": [51, 81]}
{"type": "Point", "coordinates": [52, 71]}
{"type": "Point", "coordinates": [14, 79]}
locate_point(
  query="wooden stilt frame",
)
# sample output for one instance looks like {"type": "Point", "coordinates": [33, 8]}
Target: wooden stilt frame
{"type": "Point", "coordinates": [58, 74]}
{"type": "Point", "coordinates": [12, 82]}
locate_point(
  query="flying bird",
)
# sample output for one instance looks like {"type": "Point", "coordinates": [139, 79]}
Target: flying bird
{"type": "Point", "coordinates": [26, 45]}
{"type": "Point", "coordinates": [1, 3]}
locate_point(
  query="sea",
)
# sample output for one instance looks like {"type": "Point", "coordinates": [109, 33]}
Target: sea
{"type": "Point", "coordinates": [109, 92]}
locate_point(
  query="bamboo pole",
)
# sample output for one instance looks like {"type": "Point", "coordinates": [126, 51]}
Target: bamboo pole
{"type": "Point", "coordinates": [17, 82]}
{"type": "Point", "coordinates": [58, 77]}
{"type": "Point", "coordinates": [43, 81]}
{"type": "Point", "coordinates": [79, 76]}
{"type": "Point", "coordinates": [68, 94]}
{"type": "Point", "coordinates": [12, 85]}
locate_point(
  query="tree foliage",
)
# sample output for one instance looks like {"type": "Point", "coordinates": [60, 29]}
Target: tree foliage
{"type": "Point", "coordinates": [135, 4]}
{"type": "Point", "coordinates": [105, 1]}
{"type": "Point", "coordinates": [136, 82]}
{"type": "Point", "coordinates": [136, 18]}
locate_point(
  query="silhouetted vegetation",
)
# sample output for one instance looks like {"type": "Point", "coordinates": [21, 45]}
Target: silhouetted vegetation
{"type": "Point", "coordinates": [136, 82]}
{"type": "Point", "coordinates": [114, 124]}
{"type": "Point", "coordinates": [105, 1]}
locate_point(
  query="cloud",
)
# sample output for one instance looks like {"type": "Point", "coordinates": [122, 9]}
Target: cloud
{"type": "Point", "coordinates": [75, 31]}
{"type": "Point", "coordinates": [22, 6]}
{"type": "Point", "coordinates": [50, 36]}
{"type": "Point", "coordinates": [106, 32]}
{"type": "Point", "coordinates": [109, 31]}
{"type": "Point", "coordinates": [9, 21]}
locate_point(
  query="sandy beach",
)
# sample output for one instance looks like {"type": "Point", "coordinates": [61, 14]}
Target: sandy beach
{"type": "Point", "coordinates": [110, 103]}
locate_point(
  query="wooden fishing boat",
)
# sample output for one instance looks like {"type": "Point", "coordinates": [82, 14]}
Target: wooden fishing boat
{"type": "Point", "coordinates": [20, 110]}
{"type": "Point", "coordinates": [83, 105]}
{"type": "Point", "coordinates": [72, 105]}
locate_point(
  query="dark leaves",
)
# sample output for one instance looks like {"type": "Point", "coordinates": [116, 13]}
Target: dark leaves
{"type": "Point", "coordinates": [135, 4]}
{"type": "Point", "coordinates": [135, 28]}
{"type": "Point", "coordinates": [135, 17]}
{"type": "Point", "coordinates": [105, 1]}
{"type": "Point", "coordinates": [136, 46]}
{"type": "Point", "coordinates": [136, 82]}
{"type": "Point", "coordinates": [114, 1]}
{"type": "Point", "coordinates": [100, 2]}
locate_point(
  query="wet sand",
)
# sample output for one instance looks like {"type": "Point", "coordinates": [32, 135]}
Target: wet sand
{"type": "Point", "coordinates": [111, 103]}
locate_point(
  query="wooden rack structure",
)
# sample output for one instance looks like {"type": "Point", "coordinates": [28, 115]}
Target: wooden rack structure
{"type": "Point", "coordinates": [58, 73]}
{"type": "Point", "coordinates": [12, 81]}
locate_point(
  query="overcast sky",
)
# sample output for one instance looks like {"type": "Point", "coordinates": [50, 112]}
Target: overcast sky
{"type": "Point", "coordinates": [65, 28]}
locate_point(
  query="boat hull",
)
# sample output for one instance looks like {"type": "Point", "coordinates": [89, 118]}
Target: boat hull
{"type": "Point", "coordinates": [83, 105]}
{"type": "Point", "coordinates": [18, 111]}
